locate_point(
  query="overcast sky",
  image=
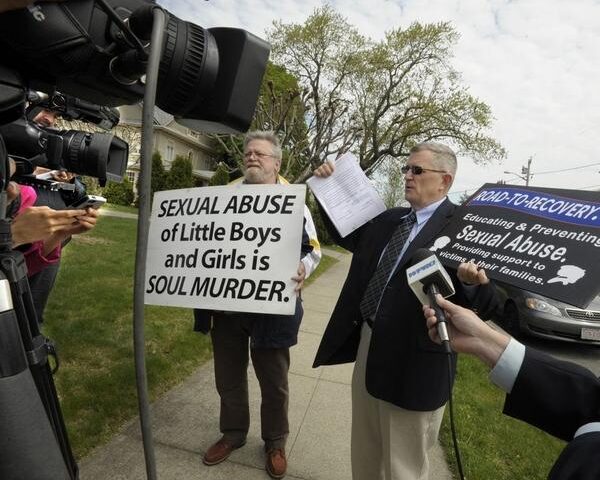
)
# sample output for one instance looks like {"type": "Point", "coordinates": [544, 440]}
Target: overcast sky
{"type": "Point", "coordinates": [535, 62]}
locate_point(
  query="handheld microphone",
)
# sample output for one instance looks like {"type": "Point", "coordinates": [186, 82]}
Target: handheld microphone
{"type": "Point", "coordinates": [427, 277]}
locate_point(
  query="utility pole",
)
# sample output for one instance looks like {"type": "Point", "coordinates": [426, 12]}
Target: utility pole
{"type": "Point", "coordinates": [527, 171]}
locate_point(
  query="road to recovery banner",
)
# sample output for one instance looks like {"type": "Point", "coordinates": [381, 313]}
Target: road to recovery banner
{"type": "Point", "coordinates": [539, 239]}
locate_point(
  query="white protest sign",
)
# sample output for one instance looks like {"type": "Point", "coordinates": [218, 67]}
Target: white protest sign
{"type": "Point", "coordinates": [232, 248]}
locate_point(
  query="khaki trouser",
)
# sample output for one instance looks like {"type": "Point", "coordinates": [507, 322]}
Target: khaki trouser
{"type": "Point", "coordinates": [388, 442]}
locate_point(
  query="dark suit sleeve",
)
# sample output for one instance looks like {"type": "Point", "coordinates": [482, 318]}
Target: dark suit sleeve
{"type": "Point", "coordinates": [483, 299]}
{"type": "Point", "coordinates": [555, 396]}
{"type": "Point", "coordinates": [579, 459]}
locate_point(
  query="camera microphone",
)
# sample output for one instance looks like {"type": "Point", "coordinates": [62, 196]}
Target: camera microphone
{"type": "Point", "coordinates": [427, 277]}
{"type": "Point", "coordinates": [72, 108]}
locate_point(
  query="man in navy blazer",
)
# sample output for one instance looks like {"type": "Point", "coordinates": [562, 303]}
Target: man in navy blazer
{"type": "Point", "coordinates": [400, 381]}
{"type": "Point", "coordinates": [559, 397]}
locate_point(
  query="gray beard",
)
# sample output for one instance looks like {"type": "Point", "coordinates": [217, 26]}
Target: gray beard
{"type": "Point", "coordinates": [255, 176]}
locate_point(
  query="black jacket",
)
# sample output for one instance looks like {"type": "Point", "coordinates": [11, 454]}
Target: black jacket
{"type": "Point", "coordinates": [404, 366]}
{"type": "Point", "coordinates": [559, 397]}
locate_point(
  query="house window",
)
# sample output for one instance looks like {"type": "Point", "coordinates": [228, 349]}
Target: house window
{"type": "Point", "coordinates": [130, 176]}
{"type": "Point", "coordinates": [170, 153]}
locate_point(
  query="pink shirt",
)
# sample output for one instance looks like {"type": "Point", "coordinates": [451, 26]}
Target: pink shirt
{"type": "Point", "coordinates": [34, 257]}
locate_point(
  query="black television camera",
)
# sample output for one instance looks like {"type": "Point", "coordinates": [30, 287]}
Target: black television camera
{"type": "Point", "coordinates": [100, 155]}
{"type": "Point", "coordinates": [96, 51]}
{"type": "Point", "coordinates": [30, 145]}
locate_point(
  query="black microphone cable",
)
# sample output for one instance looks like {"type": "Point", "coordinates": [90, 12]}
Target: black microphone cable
{"type": "Point", "coordinates": [452, 427]}
{"type": "Point", "coordinates": [441, 325]}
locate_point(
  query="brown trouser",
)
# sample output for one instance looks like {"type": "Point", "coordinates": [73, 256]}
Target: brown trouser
{"type": "Point", "coordinates": [230, 338]}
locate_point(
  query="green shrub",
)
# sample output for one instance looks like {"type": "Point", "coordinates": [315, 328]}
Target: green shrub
{"type": "Point", "coordinates": [180, 175]}
{"type": "Point", "coordinates": [119, 193]}
{"type": "Point", "coordinates": [91, 185]}
{"type": "Point", "coordinates": [158, 181]}
{"type": "Point", "coordinates": [221, 176]}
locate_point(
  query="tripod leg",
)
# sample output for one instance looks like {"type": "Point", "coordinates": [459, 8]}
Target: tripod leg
{"type": "Point", "coordinates": [28, 447]}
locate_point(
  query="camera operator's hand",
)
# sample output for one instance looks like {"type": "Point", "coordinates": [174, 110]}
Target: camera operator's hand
{"type": "Point", "coordinates": [12, 191]}
{"type": "Point", "coordinates": [39, 223]}
{"type": "Point", "coordinates": [8, 5]}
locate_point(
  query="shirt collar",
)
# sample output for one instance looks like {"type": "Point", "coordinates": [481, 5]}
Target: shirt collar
{"type": "Point", "coordinates": [425, 213]}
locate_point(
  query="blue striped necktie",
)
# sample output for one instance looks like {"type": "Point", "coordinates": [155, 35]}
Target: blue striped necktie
{"type": "Point", "coordinates": [370, 301]}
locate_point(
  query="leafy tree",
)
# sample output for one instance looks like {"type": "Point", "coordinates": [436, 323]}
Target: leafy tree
{"type": "Point", "coordinates": [409, 93]}
{"type": "Point", "coordinates": [389, 182]}
{"type": "Point", "coordinates": [322, 233]}
{"type": "Point", "coordinates": [180, 175]}
{"type": "Point", "coordinates": [280, 108]}
{"type": "Point", "coordinates": [378, 99]}
{"type": "Point", "coordinates": [221, 176]}
{"type": "Point", "coordinates": [324, 54]}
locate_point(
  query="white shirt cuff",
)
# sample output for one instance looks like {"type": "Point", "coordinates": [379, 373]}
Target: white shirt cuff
{"type": "Point", "coordinates": [588, 428]}
{"type": "Point", "coordinates": [505, 372]}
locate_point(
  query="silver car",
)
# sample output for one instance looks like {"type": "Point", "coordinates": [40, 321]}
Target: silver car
{"type": "Point", "coordinates": [533, 314]}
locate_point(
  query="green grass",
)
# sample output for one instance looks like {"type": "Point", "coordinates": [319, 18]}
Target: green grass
{"type": "Point", "coordinates": [89, 316]}
{"type": "Point", "coordinates": [120, 208]}
{"type": "Point", "coordinates": [335, 248]}
{"type": "Point", "coordinates": [326, 262]}
{"type": "Point", "coordinates": [493, 446]}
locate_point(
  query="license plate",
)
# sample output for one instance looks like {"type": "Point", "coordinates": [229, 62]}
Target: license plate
{"type": "Point", "coordinates": [590, 334]}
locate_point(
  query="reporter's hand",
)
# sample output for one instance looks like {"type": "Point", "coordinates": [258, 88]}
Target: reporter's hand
{"type": "Point", "coordinates": [299, 278]}
{"type": "Point", "coordinates": [467, 332]}
{"type": "Point", "coordinates": [83, 223]}
{"type": "Point", "coordinates": [324, 170]}
{"type": "Point", "coordinates": [468, 273]}
{"type": "Point", "coordinates": [39, 223]}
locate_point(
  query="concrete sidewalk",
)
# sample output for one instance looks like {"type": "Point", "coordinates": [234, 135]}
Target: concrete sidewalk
{"type": "Point", "coordinates": [186, 419]}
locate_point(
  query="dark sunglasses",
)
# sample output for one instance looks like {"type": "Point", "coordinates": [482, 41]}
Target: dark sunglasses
{"type": "Point", "coordinates": [417, 170]}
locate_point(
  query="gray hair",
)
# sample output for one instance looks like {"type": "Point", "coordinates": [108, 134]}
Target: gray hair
{"type": "Point", "coordinates": [269, 136]}
{"type": "Point", "coordinates": [443, 156]}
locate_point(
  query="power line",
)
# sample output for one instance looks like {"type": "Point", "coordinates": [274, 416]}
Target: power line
{"type": "Point", "coordinates": [567, 169]}
{"type": "Point", "coordinates": [514, 177]}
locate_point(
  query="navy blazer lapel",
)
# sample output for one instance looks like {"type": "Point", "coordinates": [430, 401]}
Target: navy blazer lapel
{"type": "Point", "coordinates": [440, 218]}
